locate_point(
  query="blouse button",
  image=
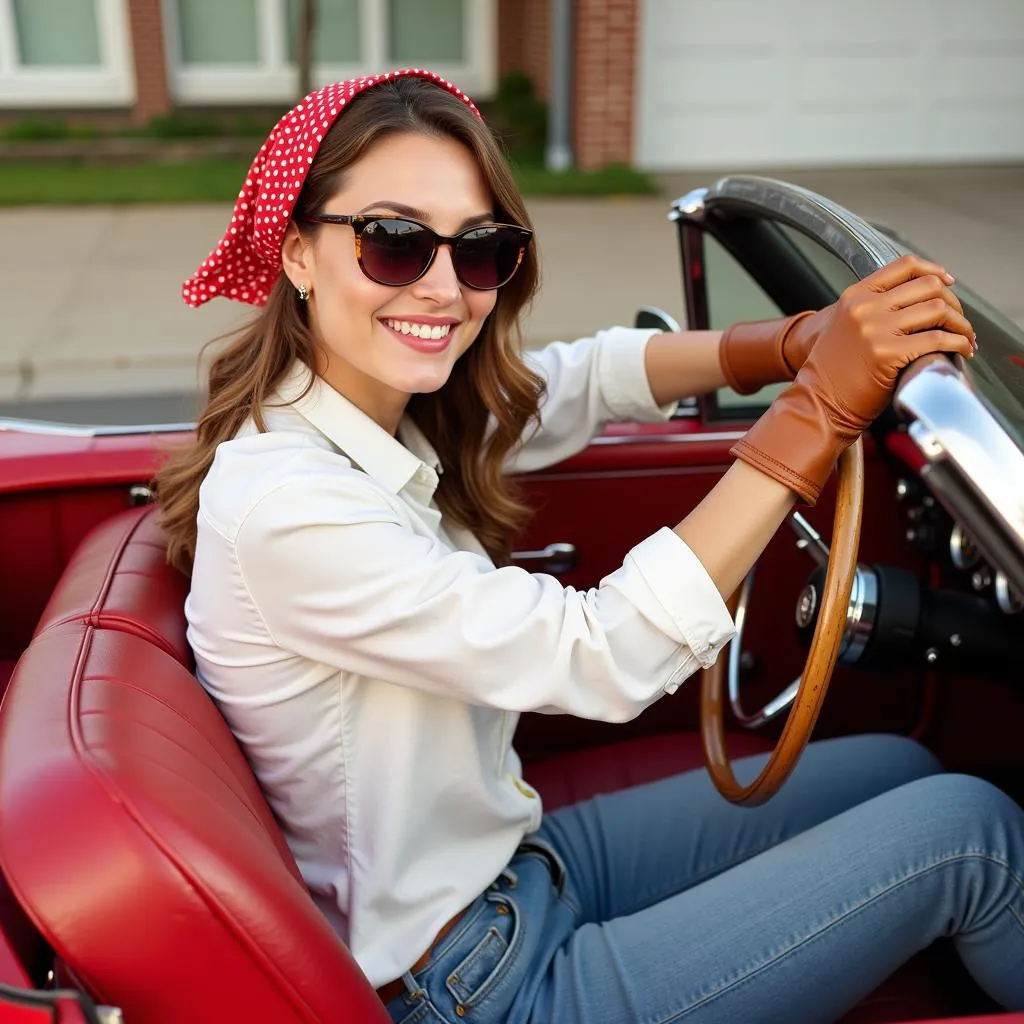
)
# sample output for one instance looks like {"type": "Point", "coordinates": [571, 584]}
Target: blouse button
{"type": "Point", "coordinates": [523, 787]}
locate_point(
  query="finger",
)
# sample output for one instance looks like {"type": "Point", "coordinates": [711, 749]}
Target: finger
{"type": "Point", "coordinates": [906, 268]}
{"type": "Point", "coordinates": [923, 342]}
{"type": "Point", "coordinates": [933, 313]}
{"type": "Point", "coordinates": [931, 286]}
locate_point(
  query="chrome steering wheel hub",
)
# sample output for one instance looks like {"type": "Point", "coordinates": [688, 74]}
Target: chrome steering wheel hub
{"type": "Point", "coordinates": [861, 615]}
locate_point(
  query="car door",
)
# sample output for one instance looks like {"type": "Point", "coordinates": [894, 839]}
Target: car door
{"type": "Point", "coordinates": [751, 249]}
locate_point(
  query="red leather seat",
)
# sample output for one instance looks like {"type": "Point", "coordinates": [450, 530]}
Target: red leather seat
{"type": "Point", "coordinates": [136, 838]}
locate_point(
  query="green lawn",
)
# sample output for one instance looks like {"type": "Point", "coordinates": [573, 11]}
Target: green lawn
{"type": "Point", "coordinates": [211, 180]}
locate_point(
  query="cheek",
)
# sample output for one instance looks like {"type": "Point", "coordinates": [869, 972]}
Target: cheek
{"type": "Point", "coordinates": [481, 305]}
{"type": "Point", "coordinates": [351, 300]}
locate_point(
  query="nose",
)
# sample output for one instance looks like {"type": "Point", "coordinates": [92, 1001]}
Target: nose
{"type": "Point", "coordinates": [439, 284]}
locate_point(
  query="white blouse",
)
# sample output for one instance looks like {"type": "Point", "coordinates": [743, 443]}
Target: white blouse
{"type": "Point", "coordinates": [373, 662]}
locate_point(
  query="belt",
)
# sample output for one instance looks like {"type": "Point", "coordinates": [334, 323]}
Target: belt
{"type": "Point", "coordinates": [395, 988]}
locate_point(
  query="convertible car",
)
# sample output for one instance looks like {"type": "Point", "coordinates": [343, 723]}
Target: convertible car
{"type": "Point", "coordinates": [142, 876]}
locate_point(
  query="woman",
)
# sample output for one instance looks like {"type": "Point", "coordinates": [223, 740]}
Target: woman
{"type": "Point", "coordinates": [342, 514]}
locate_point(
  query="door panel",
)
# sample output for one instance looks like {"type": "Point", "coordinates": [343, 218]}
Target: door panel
{"type": "Point", "coordinates": [613, 495]}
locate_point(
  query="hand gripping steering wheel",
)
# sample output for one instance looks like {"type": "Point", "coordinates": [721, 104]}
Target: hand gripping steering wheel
{"type": "Point", "coordinates": [807, 694]}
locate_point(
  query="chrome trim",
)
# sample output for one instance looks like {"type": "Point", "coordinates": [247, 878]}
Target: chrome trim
{"type": "Point", "coordinates": [127, 430]}
{"type": "Point", "coordinates": [692, 206]}
{"type": "Point", "coordinates": [774, 706]}
{"type": "Point", "coordinates": [950, 423]}
{"type": "Point", "coordinates": [860, 615]}
{"type": "Point", "coordinates": [553, 559]}
{"type": "Point", "coordinates": [808, 539]}
{"type": "Point", "coordinates": [77, 430]}
{"type": "Point", "coordinates": [721, 435]}
{"type": "Point", "coordinates": [1008, 600]}
{"type": "Point", "coordinates": [959, 546]}
{"type": "Point", "coordinates": [848, 236]}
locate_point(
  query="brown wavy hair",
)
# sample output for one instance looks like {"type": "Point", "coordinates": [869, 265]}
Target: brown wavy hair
{"type": "Point", "coordinates": [473, 421]}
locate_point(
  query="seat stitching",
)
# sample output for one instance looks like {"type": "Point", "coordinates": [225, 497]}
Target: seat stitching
{"type": "Point", "coordinates": [202, 892]}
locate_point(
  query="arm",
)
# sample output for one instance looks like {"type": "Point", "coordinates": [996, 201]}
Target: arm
{"type": "Point", "coordinates": [683, 364]}
{"type": "Point", "coordinates": [590, 382]}
{"type": "Point", "coordinates": [745, 356]}
{"type": "Point", "coordinates": [341, 575]}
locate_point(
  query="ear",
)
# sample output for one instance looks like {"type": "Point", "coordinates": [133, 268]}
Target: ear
{"type": "Point", "coordinates": [297, 256]}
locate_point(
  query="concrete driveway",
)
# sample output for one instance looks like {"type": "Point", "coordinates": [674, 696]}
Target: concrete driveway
{"type": "Point", "coordinates": [91, 307]}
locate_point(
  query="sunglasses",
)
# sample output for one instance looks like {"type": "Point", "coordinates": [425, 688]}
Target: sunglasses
{"type": "Point", "coordinates": [396, 251]}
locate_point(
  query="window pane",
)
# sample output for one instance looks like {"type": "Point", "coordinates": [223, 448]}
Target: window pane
{"type": "Point", "coordinates": [57, 32]}
{"type": "Point", "coordinates": [421, 31]}
{"type": "Point", "coordinates": [218, 33]}
{"type": "Point", "coordinates": [734, 295]}
{"type": "Point", "coordinates": [335, 34]}
{"type": "Point", "coordinates": [831, 267]}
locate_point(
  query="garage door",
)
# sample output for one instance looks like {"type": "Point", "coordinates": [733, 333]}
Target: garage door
{"type": "Point", "coordinates": [749, 83]}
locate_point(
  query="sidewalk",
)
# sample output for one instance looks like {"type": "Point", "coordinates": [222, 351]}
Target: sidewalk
{"type": "Point", "coordinates": [90, 302]}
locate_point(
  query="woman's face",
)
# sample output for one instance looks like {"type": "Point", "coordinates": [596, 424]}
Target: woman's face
{"type": "Point", "coordinates": [367, 332]}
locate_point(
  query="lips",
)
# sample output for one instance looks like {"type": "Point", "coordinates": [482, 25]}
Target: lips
{"type": "Point", "coordinates": [431, 335]}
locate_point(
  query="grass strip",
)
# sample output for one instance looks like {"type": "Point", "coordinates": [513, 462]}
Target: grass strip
{"type": "Point", "coordinates": [69, 183]}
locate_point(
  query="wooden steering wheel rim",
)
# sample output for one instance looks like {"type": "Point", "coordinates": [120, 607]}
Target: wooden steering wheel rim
{"type": "Point", "coordinates": [821, 658]}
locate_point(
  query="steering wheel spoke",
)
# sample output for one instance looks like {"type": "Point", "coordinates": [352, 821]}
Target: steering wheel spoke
{"type": "Point", "coordinates": [808, 539]}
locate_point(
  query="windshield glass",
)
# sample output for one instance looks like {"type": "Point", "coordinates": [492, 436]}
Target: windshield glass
{"type": "Point", "coordinates": [997, 370]}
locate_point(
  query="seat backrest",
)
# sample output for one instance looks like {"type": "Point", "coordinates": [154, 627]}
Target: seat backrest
{"type": "Point", "coordinates": [118, 578]}
{"type": "Point", "coordinates": [133, 831]}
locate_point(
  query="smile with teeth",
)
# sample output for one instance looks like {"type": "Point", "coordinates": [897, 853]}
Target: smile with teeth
{"type": "Point", "coordinates": [433, 332]}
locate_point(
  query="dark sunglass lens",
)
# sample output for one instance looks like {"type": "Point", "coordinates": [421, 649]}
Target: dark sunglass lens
{"type": "Point", "coordinates": [395, 252]}
{"type": "Point", "coordinates": [487, 257]}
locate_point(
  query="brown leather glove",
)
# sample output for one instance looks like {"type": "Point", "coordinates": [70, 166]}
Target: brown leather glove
{"type": "Point", "coordinates": [753, 353]}
{"type": "Point", "coordinates": [878, 326]}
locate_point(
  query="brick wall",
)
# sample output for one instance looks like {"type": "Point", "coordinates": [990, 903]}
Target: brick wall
{"type": "Point", "coordinates": [607, 36]}
{"type": "Point", "coordinates": [604, 84]}
{"type": "Point", "coordinates": [524, 40]}
{"type": "Point", "coordinates": [152, 94]}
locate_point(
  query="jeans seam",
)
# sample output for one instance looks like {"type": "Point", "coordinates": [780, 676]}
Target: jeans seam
{"type": "Point", "coordinates": [838, 919]}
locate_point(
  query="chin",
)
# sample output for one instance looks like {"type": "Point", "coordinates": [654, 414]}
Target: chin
{"type": "Point", "coordinates": [422, 383]}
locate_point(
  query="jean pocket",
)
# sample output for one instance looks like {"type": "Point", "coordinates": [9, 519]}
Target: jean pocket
{"type": "Point", "coordinates": [423, 1013]}
{"type": "Point", "coordinates": [491, 958]}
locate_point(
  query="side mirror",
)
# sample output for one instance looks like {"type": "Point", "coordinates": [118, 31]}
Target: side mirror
{"type": "Point", "coordinates": [652, 316]}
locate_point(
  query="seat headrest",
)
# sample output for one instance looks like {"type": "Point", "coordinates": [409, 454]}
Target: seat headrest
{"type": "Point", "coordinates": [119, 578]}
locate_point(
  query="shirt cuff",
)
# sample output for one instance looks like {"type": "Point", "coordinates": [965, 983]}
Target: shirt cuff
{"type": "Point", "coordinates": [623, 376]}
{"type": "Point", "coordinates": [687, 596]}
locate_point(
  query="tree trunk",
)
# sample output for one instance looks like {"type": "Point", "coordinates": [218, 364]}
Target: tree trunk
{"type": "Point", "coordinates": [304, 45]}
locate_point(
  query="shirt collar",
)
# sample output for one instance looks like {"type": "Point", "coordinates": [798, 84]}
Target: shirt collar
{"type": "Point", "coordinates": [391, 462]}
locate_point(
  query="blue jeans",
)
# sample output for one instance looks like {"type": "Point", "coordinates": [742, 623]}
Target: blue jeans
{"type": "Point", "coordinates": [664, 903]}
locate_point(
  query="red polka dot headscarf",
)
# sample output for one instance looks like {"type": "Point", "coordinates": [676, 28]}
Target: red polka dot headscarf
{"type": "Point", "coordinates": [247, 260]}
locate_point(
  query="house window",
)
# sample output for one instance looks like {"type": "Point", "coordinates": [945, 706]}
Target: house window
{"type": "Point", "coordinates": [420, 33]}
{"type": "Point", "coordinates": [64, 53]}
{"type": "Point", "coordinates": [221, 33]}
{"type": "Point", "coordinates": [57, 33]}
{"type": "Point", "coordinates": [244, 51]}
{"type": "Point", "coordinates": [337, 36]}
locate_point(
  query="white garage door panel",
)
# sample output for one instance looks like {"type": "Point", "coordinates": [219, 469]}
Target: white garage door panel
{"type": "Point", "coordinates": [746, 83]}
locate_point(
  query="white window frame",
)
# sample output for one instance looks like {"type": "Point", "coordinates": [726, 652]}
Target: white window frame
{"type": "Point", "coordinates": [112, 84]}
{"type": "Point", "coordinates": [273, 79]}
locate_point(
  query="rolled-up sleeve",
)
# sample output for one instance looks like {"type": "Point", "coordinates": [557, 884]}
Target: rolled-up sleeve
{"type": "Point", "coordinates": [590, 382]}
{"type": "Point", "coordinates": [337, 577]}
